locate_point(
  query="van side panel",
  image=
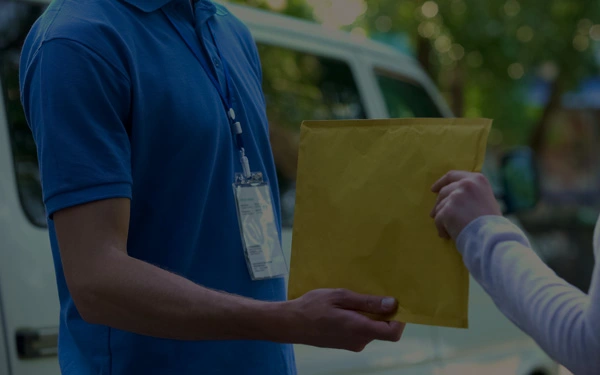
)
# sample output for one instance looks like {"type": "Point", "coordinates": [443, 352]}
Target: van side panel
{"type": "Point", "coordinates": [4, 165]}
{"type": "Point", "coordinates": [27, 281]}
{"type": "Point", "coordinates": [4, 363]}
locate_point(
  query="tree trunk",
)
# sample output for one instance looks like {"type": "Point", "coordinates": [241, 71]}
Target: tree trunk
{"type": "Point", "coordinates": [541, 128]}
{"type": "Point", "coordinates": [457, 90]}
{"type": "Point", "coordinates": [424, 53]}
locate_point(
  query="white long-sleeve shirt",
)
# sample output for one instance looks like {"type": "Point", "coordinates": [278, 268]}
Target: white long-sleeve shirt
{"type": "Point", "coordinates": [564, 321]}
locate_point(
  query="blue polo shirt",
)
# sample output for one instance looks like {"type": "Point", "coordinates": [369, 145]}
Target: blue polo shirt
{"type": "Point", "coordinates": [119, 106]}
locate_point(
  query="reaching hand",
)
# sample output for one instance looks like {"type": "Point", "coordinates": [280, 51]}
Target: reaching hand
{"type": "Point", "coordinates": [462, 198]}
{"type": "Point", "coordinates": [332, 319]}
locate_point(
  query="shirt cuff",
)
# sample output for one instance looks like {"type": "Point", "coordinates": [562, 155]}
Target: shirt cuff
{"type": "Point", "coordinates": [483, 227]}
{"type": "Point", "coordinates": [95, 193]}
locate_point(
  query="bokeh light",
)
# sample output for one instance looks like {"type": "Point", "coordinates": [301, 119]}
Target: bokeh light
{"type": "Point", "coordinates": [428, 29]}
{"type": "Point", "coordinates": [525, 34]}
{"type": "Point", "coordinates": [359, 33]}
{"type": "Point", "coordinates": [516, 71]}
{"type": "Point", "coordinates": [595, 32]}
{"type": "Point", "coordinates": [457, 52]}
{"type": "Point", "coordinates": [474, 59]}
{"type": "Point", "coordinates": [584, 25]}
{"type": "Point", "coordinates": [581, 43]}
{"type": "Point", "coordinates": [383, 24]}
{"type": "Point", "coordinates": [458, 7]}
{"type": "Point", "coordinates": [277, 5]}
{"type": "Point", "coordinates": [549, 71]}
{"type": "Point", "coordinates": [512, 8]}
{"type": "Point", "coordinates": [430, 9]}
{"type": "Point", "coordinates": [443, 44]}
{"type": "Point", "coordinates": [338, 13]}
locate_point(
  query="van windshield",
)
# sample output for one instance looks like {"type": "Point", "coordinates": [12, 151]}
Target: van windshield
{"type": "Point", "coordinates": [302, 86]}
{"type": "Point", "coordinates": [16, 18]}
{"type": "Point", "coordinates": [405, 97]}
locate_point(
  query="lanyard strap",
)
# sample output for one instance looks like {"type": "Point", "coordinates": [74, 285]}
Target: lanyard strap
{"type": "Point", "coordinates": [226, 97]}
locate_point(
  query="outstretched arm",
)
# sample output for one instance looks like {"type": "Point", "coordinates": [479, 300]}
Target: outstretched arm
{"type": "Point", "coordinates": [564, 321]}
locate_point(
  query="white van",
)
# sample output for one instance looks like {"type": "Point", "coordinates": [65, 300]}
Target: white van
{"type": "Point", "coordinates": [309, 73]}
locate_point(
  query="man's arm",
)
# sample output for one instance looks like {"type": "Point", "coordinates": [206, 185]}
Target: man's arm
{"type": "Point", "coordinates": [78, 103]}
{"type": "Point", "coordinates": [111, 288]}
{"type": "Point", "coordinates": [564, 321]}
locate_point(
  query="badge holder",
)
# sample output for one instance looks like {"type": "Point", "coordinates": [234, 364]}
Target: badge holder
{"type": "Point", "coordinates": [258, 227]}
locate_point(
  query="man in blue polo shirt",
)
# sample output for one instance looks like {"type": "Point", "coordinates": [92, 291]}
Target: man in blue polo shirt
{"type": "Point", "coordinates": [145, 113]}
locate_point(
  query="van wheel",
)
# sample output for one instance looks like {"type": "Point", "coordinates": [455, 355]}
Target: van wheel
{"type": "Point", "coordinates": [539, 372]}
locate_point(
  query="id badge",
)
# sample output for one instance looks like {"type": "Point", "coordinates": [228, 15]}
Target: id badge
{"type": "Point", "coordinates": [258, 227]}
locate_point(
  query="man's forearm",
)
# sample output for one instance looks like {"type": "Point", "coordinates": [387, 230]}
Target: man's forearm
{"type": "Point", "coordinates": [113, 289]}
{"type": "Point", "coordinates": [129, 294]}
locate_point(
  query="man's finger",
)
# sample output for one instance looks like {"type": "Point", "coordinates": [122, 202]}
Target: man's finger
{"type": "Point", "coordinates": [449, 178]}
{"type": "Point", "coordinates": [384, 331]}
{"type": "Point", "coordinates": [369, 304]}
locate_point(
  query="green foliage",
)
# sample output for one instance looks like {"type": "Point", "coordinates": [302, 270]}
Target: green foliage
{"type": "Point", "coordinates": [496, 48]}
{"type": "Point", "coordinates": [500, 46]}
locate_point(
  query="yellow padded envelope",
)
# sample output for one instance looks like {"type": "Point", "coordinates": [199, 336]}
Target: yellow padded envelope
{"type": "Point", "coordinates": [362, 212]}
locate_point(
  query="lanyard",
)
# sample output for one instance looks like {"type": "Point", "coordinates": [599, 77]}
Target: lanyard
{"type": "Point", "coordinates": [226, 98]}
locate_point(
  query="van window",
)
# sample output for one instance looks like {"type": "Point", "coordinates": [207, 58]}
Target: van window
{"type": "Point", "coordinates": [302, 86]}
{"type": "Point", "coordinates": [404, 97]}
{"type": "Point", "coordinates": [16, 19]}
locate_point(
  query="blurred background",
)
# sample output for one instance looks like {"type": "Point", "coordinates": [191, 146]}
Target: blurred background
{"type": "Point", "coordinates": [532, 66]}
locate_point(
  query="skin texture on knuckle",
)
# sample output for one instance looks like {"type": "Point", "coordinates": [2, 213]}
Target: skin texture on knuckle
{"type": "Point", "coordinates": [340, 296]}
{"type": "Point", "coordinates": [371, 304]}
{"type": "Point", "coordinates": [445, 191]}
{"type": "Point", "coordinates": [349, 326]}
{"type": "Point", "coordinates": [469, 185]}
{"type": "Point", "coordinates": [481, 179]}
{"type": "Point", "coordinates": [454, 200]}
{"type": "Point", "coordinates": [452, 174]}
{"type": "Point", "coordinates": [462, 197]}
{"type": "Point", "coordinates": [340, 293]}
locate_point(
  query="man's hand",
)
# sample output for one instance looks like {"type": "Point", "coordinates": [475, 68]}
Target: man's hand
{"type": "Point", "coordinates": [113, 289]}
{"type": "Point", "coordinates": [462, 198]}
{"type": "Point", "coordinates": [332, 318]}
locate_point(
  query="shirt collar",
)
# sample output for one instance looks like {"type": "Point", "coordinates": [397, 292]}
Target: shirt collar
{"type": "Point", "coordinates": [148, 5]}
{"type": "Point", "coordinates": [204, 9]}
{"type": "Point", "coordinates": [153, 5]}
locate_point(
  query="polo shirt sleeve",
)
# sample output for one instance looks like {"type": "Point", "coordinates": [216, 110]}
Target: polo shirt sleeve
{"type": "Point", "coordinates": [77, 104]}
{"type": "Point", "coordinates": [256, 58]}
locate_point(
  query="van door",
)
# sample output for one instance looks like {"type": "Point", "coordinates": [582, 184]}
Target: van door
{"type": "Point", "coordinates": [4, 365]}
{"type": "Point", "coordinates": [27, 283]}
